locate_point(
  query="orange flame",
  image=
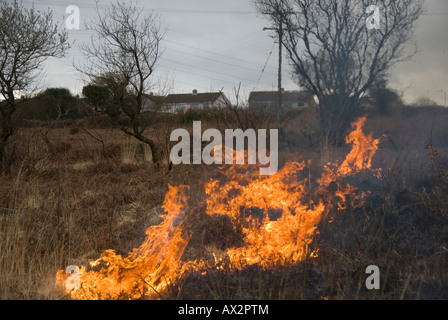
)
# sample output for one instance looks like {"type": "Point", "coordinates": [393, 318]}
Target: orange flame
{"type": "Point", "coordinates": [359, 159]}
{"type": "Point", "coordinates": [282, 223]}
{"type": "Point", "coordinates": [363, 150]}
{"type": "Point", "coordinates": [275, 213]}
{"type": "Point", "coordinates": [147, 269]}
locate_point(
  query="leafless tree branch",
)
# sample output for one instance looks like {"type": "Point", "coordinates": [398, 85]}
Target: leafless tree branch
{"type": "Point", "coordinates": [27, 38]}
{"type": "Point", "coordinates": [334, 55]}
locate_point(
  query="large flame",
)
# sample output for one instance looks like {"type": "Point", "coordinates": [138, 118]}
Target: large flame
{"type": "Point", "coordinates": [276, 219]}
{"type": "Point", "coordinates": [147, 269]}
{"type": "Point", "coordinates": [276, 214]}
{"type": "Point", "coordinates": [363, 150]}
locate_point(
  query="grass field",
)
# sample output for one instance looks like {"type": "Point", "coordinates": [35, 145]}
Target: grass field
{"type": "Point", "coordinates": [87, 188]}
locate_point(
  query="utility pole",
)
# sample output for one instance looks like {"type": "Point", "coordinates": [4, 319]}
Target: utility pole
{"type": "Point", "coordinates": [280, 58]}
{"type": "Point", "coordinates": [278, 12]}
{"type": "Point", "coordinates": [279, 31]}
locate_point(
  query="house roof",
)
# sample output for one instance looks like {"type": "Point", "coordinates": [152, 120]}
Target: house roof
{"type": "Point", "coordinates": [193, 98]}
{"type": "Point", "coordinates": [154, 98]}
{"type": "Point", "coordinates": [263, 96]}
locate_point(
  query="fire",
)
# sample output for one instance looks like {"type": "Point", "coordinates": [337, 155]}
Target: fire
{"type": "Point", "coordinates": [277, 214]}
{"type": "Point", "coordinates": [359, 159]}
{"type": "Point", "coordinates": [364, 148]}
{"type": "Point", "coordinates": [147, 269]}
{"type": "Point", "coordinates": [276, 221]}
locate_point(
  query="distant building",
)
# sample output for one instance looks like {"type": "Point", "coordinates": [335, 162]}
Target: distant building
{"type": "Point", "coordinates": [182, 102]}
{"type": "Point", "coordinates": [290, 99]}
{"type": "Point", "coordinates": [196, 101]}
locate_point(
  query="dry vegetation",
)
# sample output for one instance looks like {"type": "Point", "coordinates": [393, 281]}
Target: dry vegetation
{"type": "Point", "coordinates": [88, 188]}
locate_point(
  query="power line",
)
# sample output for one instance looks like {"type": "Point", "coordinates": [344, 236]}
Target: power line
{"type": "Point", "coordinates": [267, 60]}
{"type": "Point", "coordinates": [195, 11]}
{"type": "Point", "coordinates": [214, 53]}
{"type": "Point", "coordinates": [217, 61]}
{"type": "Point", "coordinates": [196, 74]}
{"type": "Point", "coordinates": [208, 70]}
{"type": "Point", "coordinates": [237, 45]}
{"type": "Point", "coordinates": [162, 10]}
{"type": "Point", "coordinates": [174, 10]}
{"type": "Point", "coordinates": [200, 67]}
{"type": "Point", "coordinates": [242, 63]}
{"type": "Point", "coordinates": [79, 54]}
{"type": "Point", "coordinates": [241, 43]}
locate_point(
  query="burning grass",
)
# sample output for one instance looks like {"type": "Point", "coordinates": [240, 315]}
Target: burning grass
{"type": "Point", "coordinates": [223, 233]}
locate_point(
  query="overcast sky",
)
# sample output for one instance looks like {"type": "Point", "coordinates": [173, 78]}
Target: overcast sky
{"type": "Point", "coordinates": [212, 45]}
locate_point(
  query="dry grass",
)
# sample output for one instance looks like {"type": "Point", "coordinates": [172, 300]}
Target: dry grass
{"type": "Point", "coordinates": [67, 207]}
{"type": "Point", "coordinates": [96, 189]}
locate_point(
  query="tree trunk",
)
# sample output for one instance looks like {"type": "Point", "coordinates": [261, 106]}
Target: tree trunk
{"type": "Point", "coordinates": [336, 113]}
{"type": "Point", "coordinates": [7, 130]}
{"type": "Point", "coordinates": [150, 142]}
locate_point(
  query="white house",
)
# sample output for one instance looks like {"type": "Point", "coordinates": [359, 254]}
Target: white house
{"type": "Point", "coordinates": [196, 101]}
{"type": "Point", "coordinates": [185, 101]}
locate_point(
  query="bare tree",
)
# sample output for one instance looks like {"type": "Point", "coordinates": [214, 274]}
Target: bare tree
{"type": "Point", "coordinates": [126, 45]}
{"type": "Point", "coordinates": [336, 55]}
{"type": "Point", "coordinates": [27, 39]}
